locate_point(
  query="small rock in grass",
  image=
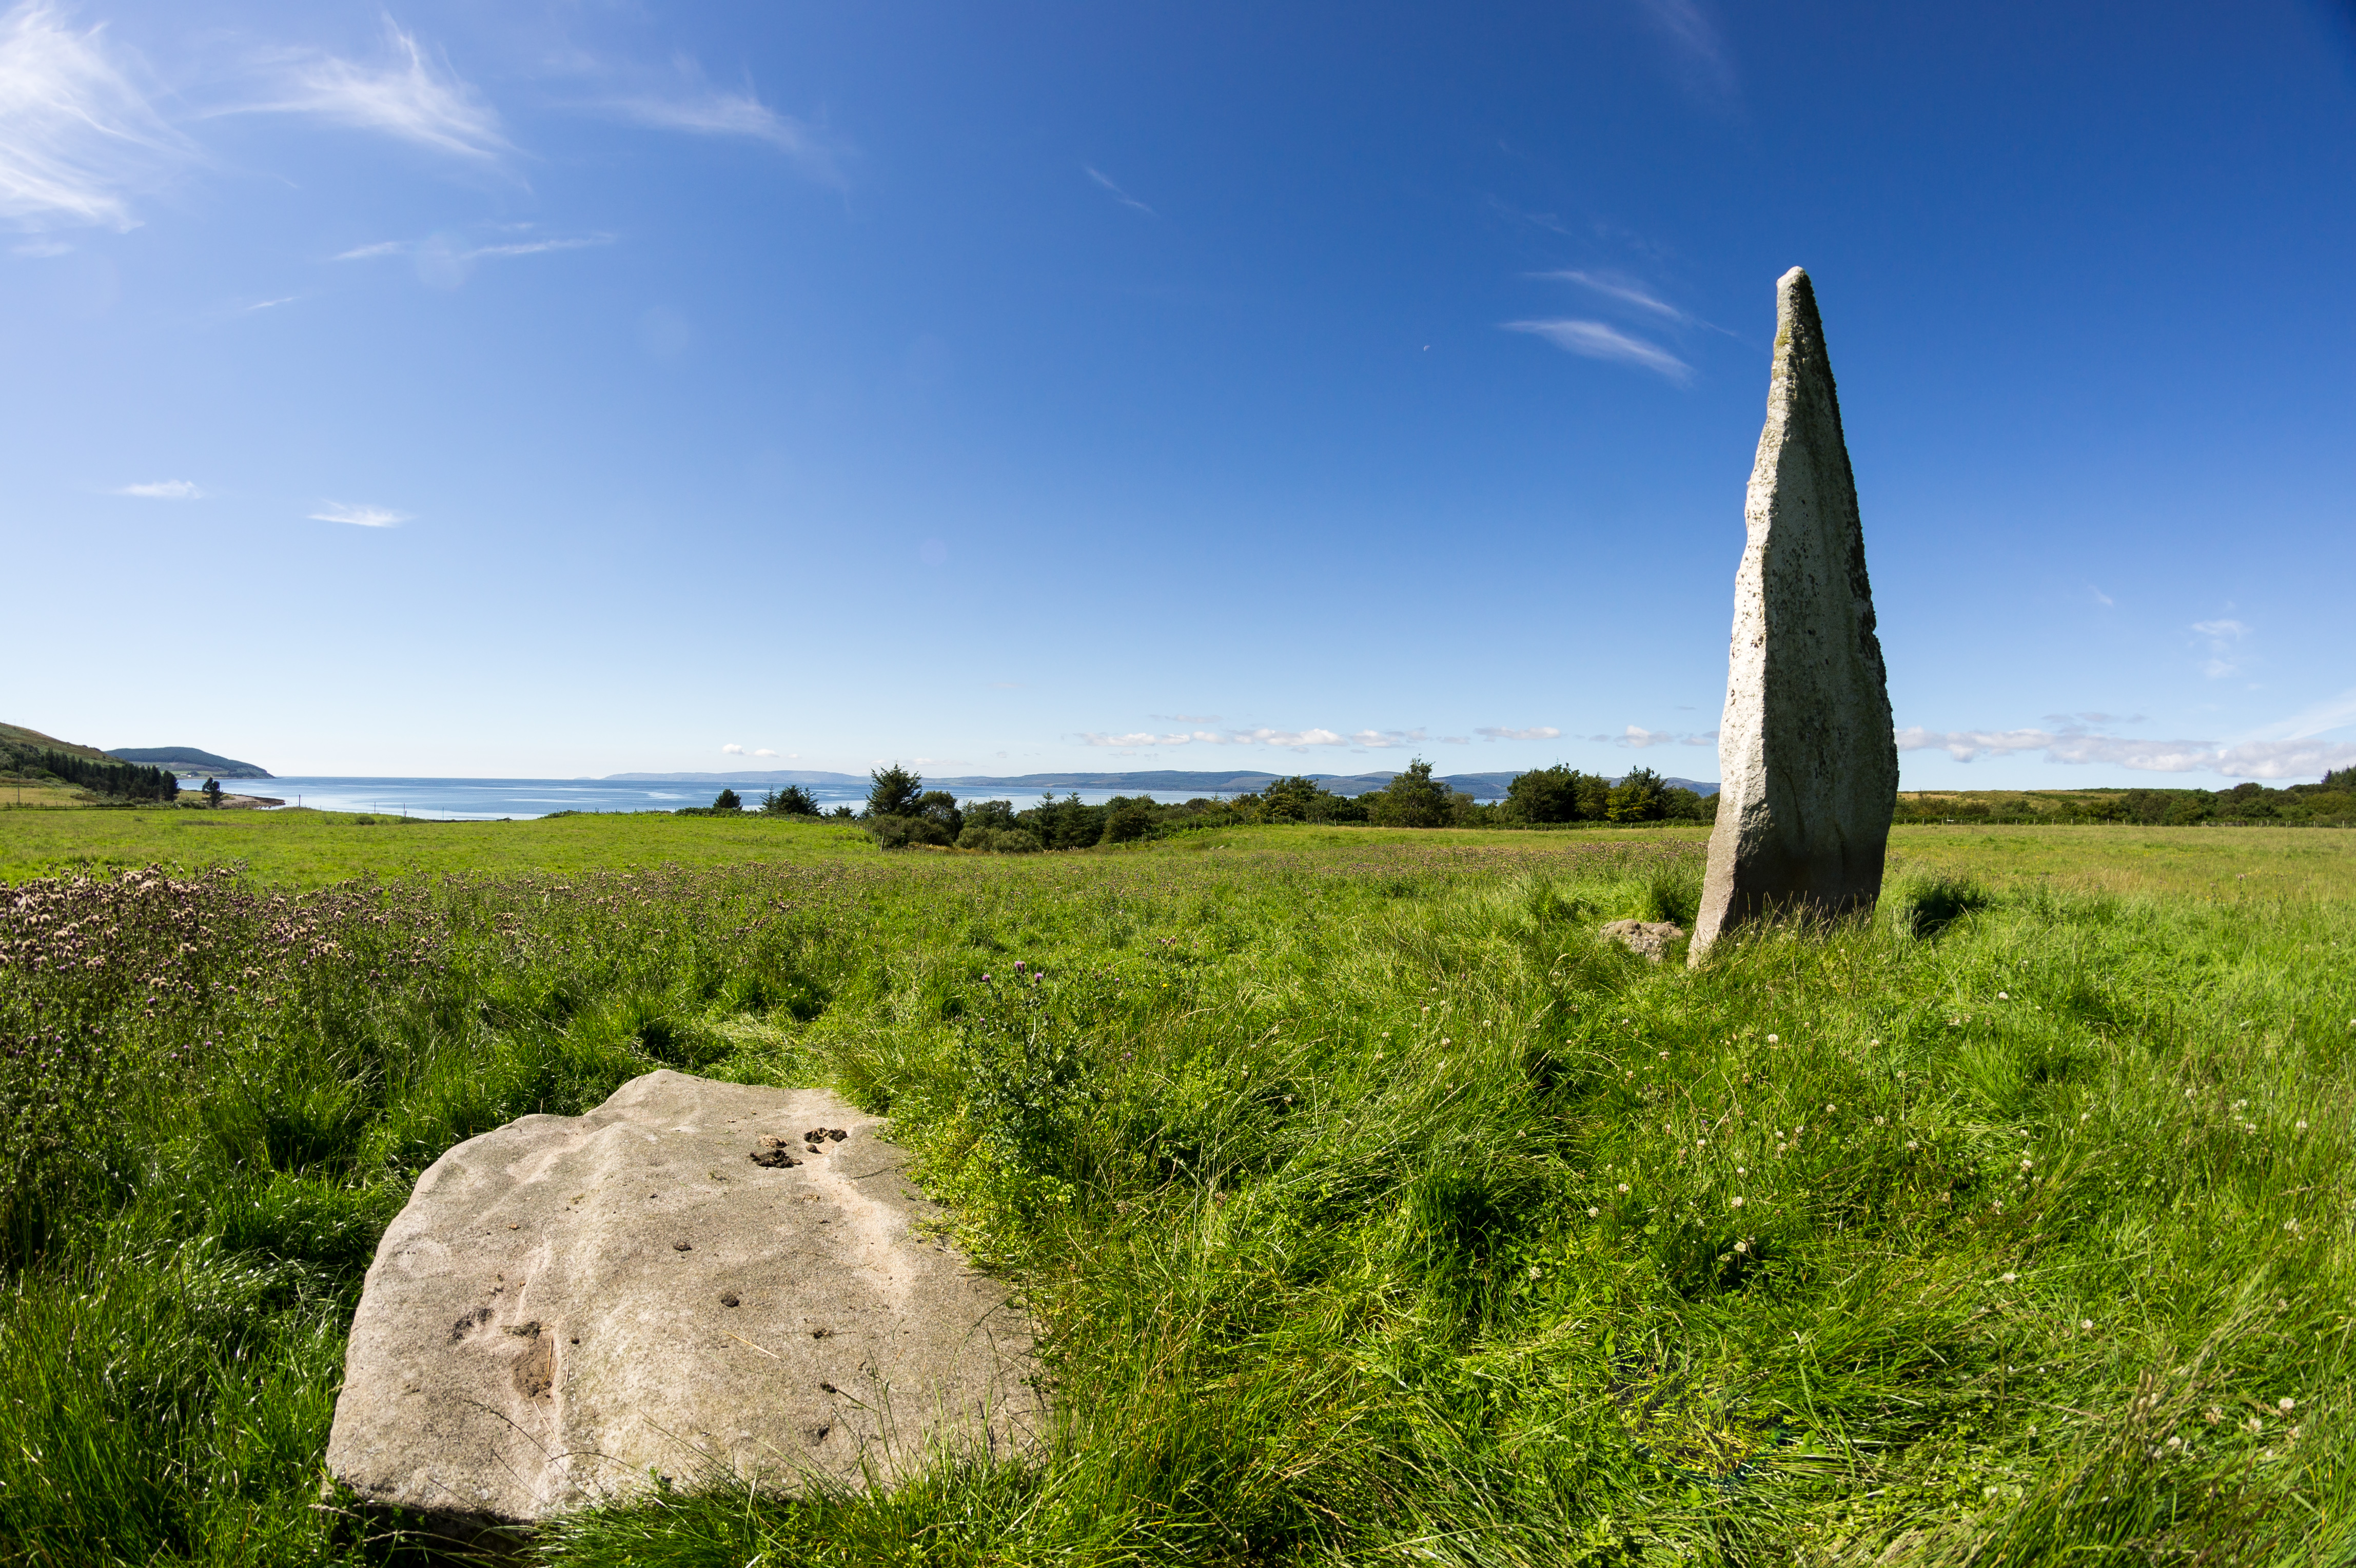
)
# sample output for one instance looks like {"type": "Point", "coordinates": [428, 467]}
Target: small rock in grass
{"type": "Point", "coordinates": [1651, 938]}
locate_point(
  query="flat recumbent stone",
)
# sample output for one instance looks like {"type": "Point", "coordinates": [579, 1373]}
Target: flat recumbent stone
{"type": "Point", "coordinates": [572, 1307]}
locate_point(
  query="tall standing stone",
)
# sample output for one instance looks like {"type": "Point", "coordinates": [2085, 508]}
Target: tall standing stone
{"type": "Point", "coordinates": [1807, 763]}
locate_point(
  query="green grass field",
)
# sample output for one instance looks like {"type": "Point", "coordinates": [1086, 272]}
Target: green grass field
{"type": "Point", "coordinates": [1374, 1209]}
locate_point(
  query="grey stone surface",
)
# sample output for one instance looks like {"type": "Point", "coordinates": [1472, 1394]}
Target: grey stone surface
{"type": "Point", "coordinates": [1651, 938]}
{"type": "Point", "coordinates": [1806, 760]}
{"type": "Point", "coordinates": [571, 1306]}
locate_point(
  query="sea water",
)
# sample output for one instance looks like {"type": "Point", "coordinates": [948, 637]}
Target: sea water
{"type": "Point", "coordinates": [479, 799]}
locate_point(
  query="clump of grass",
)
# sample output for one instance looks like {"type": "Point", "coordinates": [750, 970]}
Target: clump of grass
{"type": "Point", "coordinates": [1372, 1208]}
{"type": "Point", "coordinates": [1926, 904]}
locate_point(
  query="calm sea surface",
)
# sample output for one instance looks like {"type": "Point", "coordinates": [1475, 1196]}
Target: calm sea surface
{"type": "Point", "coordinates": [484, 797]}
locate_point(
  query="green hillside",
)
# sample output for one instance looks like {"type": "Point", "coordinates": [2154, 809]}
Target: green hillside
{"type": "Point", "coordinates": [186, 760]}
{"type": "Point", "coordinates": [16, 738]}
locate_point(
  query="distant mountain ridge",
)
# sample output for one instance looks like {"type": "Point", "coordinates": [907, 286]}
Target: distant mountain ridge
{"type": "Point", "coordinates": [187, 761]}
{"type": "Point", "coordinates": [1168, 781]}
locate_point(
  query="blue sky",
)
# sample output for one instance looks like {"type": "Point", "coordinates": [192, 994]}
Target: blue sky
{"type": "Point", "coordinates": [558, 389]}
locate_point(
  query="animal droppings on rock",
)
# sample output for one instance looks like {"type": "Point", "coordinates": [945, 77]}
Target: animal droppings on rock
{"type": "Point", "coordinates": [681, 1247]}
{"type": "Point", "coordinates": [728, 1299]}
{"type": "Point", "coordinates": [829, 1388]}
{"type": "Point", "coordinates": [771, 1152]}
{"type": "Point", "coordinates": [838, 1134]}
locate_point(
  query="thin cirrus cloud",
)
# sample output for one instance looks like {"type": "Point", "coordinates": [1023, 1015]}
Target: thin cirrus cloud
{"type": "Point", "coordinates": [1619, 289]}
{"type": "Point", "coordinates": [1699, 51]}
{"type": "Point", "coordinates": [2289, 756]}
{"type": "Point", "coordinates": [1288, 739]}
{"type": "Point", "coordinates": [2222, 636]}
{"type": "Point", "coordinates": [741, 115]}
{"type": "Point", "coordinates": [445, 263]}
{"type": "Point", "coordinates": [1536, 732]}
{"type": "Point", "coordinates": [733, 749]}
{"type": "Point", "coordinates": [359, 516]}
{"type": "Point", "coordinates": [1638, 736]}
{"type": "Point", "coordinates": [458, 252]}
{"type": "Point", "coordinates": [164, 490]}
{"type": "Point", "coordinates": [408, 96]}
{"type": "Point", "coordinates": [1599, 340]}
{"type": "Point", "coordinates": [77, 139]}
{"type": "Point", "coordinates": [1120, 195]}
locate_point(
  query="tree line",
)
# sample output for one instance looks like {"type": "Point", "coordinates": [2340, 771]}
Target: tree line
{"type": "Point", "coordinates": [2330, 801]}
{"type": "Point", "coordinates": [900, 812]}
{"type": "Point", "coordinates": [116, 780]}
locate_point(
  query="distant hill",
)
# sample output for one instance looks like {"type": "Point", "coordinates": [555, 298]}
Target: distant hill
{"type": "Point", "coordinates": [1163, 782]}
{"type": "Point", "coordinates": [773, 779]}
{"type": "Point", "coordinates": [16, 738]}
{"type": "Point", "coordinates": [186, 761]}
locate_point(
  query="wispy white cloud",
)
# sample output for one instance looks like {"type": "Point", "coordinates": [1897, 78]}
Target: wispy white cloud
{"type": "Point", "coordinates": [1123, 197]}
{"type": "Point", "coordinates": [1598, 340]}
{"type": "Point", "coordinates": [764, 751]}
{"type": "Point", "coordinates": [1185, 718]}
{"type": "Point", "coordinates": [77, 138]}
{"type": "Point", "coordinates": [2290, 758]}
{"type": "Point", "coordinates": [2221, 636]}
{"type": "Point", "coordinates": [164, 490]}
{"type": "Point", "coordinates": [1621, 289]}
{"type": "Point", "coordinates": [359, 516]}
{"type": "Point", "coordinates": [1703, 61]}
{"type": "Point", "coordinates": [42, 248]}
{"type": "Point", "coordinates": [1637, 735]}
{"type": "Point", "coordinates": [1536, 732]}
{"type": "Point", "coordinates": [267, 304]}
{"type": "Point", "coordinates": [407, 95]}
{"type": "Point", "coordinates": [1290, 739]}
{"type": "Point", "coordinates": [2332, 713]}
{"type": "Point", "coordinates": [710, 112]}
{"type": "Point", "coordinates": [446, 262]}
{"type": "Point", "coordinates": [535, 247]}
{"type": "Point", "coordinates": [1456, 740]}
{"type": "Point", "coordinates": [2101, 597]}
{"type": "Point", "coordinates": [731, 748]}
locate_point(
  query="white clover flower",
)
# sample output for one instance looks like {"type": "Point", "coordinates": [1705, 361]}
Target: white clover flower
{"type": "Point", "coordinates": [2085, 1325]}
{"type": "Point", "coordinates": [2172, 1443]}
{"type": "Point", "coordinates": [2285, 1404]}
{"type": "Point", "coordinates": [1623, 1186]}
{"type": "Point", "coordinates": [1742, 1170]}
{"type": "Point", "coordinates": [2009, 1278]}
{"type": "Point", "coordinates": [2215, 1415]}
{"type": "Point", "coordinates": [1592, 1212]}
{"type": "Point", "coordinates": [2254, 1424]}
{"type": "Point", "coordinates": [1913, 1144]}
{"type": "Point", "coordinates": [2003, 996]}
{"type": "Point", "coordinates": [1742, 1246]}
{"type": "Point", "coordinates": [2302, 1125]}
{"type": "Point", "coordinates": [1738, 1203]}
{"type": "Point", "coordinates": [1770, 1039]}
